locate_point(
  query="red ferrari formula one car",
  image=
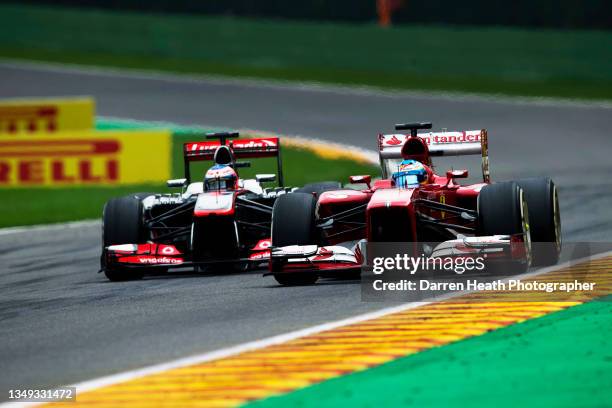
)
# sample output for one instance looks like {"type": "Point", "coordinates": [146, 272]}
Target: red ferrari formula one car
{"type": "Point", "coordinates": [218, 221]}
{"type": "Point", "coordinates": [313, 234]}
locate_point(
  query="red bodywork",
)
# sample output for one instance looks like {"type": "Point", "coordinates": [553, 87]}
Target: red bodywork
{"type": "Point", "coordinates": [429, 212]}
{"type": "Point", "coordinates": [383, 199]}
{"type": "Point", "coordinates": [386, 203]}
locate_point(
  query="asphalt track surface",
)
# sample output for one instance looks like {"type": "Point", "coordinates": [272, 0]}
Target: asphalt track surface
{"type": "Point", "coordinates": [63, 323]}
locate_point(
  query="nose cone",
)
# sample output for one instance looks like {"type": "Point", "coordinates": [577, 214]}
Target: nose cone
{"type": "Point", "coordinates": [392, 197]}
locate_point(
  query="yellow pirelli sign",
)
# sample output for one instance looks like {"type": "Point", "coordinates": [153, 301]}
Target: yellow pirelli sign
{"type": "Point", "coordinates": [45, 116]}
{"type": "Point", "coordinates": [85, 158]}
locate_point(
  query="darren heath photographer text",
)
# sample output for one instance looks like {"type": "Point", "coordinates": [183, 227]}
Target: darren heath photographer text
{"type": "Point", "coordinates": [459, 265]}
{"type": "Point", "coordinates": [469, 285]}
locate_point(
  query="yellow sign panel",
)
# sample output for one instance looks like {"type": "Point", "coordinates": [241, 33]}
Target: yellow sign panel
{"type": "Point", "coordinates": [34, 116]}
{"type": "Point", "coordinates": [85, 158]}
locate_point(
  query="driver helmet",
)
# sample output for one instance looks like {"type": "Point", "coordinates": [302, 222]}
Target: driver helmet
{"type": "Point", "coordinates": [220, 177]}
{"type": "Point", "coordinates": [410, 173]}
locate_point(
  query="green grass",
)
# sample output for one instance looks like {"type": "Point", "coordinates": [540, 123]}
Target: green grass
{"type": "Point", "coordinates": [559, 360]}
{"type": "Point", "coordinates": [29, 206]}
{"type": "Point", "coordinates": [474, 59]}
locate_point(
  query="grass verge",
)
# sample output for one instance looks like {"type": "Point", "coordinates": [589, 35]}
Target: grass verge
{"type": "Point", "coordinates": [511, 61]}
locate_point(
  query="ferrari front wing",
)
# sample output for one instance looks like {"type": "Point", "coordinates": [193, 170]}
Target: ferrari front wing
{"type": "Point", "coordinates": [313, 258]}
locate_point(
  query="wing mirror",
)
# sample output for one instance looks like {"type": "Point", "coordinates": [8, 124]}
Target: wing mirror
{"type": "Point", "coordinates": [265, 178]}
{"type": "Point", "coordinates": [176, 182]}
{"type": "Point", "coordinates": [456, 174]}
{"type": "Point", "coordinates": [362, 179]}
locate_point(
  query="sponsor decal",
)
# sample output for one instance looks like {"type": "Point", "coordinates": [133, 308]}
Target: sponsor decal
{"type": "Point", "coordinates": [260, 255]}
{"type": "Point", "coordinates": [470, 136]}
{"type": "Point", "coordinates": [80, 158]}
{"type": "Point", "coordinates": [255, 143]}
{"type": "Point", "coordinates": [45, 116]}
{"type": "Point", "coordinates": [453, 137]}
{"type": "Point", "coordinates": [262, 245]}
{"type": "Point", "coordinates": [159, 260]}
{"type": "Point", "coordinates": [258, 143]}
{"type": "Point", "coordinates": [167, 249]}
{"type": "Point", "coordinates": [394, 141]}
{"type": "Point", "coordinates": [150, 260]}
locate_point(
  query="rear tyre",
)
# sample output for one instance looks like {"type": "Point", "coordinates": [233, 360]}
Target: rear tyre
{"type": "Point", "coordinates": [320, 187]}
{"type": "Point", "coordinates": [293, 223]}
{"type": "Point", "coordinates": [502, 210]}
{"type": "Point", "coordinates": [544, 219]}
{"type": "Point", "coordinates": [122, 224]}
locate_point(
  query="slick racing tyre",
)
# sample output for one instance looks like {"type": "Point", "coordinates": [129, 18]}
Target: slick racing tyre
{"type": "Point", "coordinates": [296, 279]}
{"type": "Point", "coordinates": [503, 210]}
{"type": "Point", "coordinates": [293, 223]}
{"type": "Point", "coordinates": [320, 187]}
{"type": "Point", "coordinates": [121, 224]}
{"type": "Point", "coordinates": [544, 219]}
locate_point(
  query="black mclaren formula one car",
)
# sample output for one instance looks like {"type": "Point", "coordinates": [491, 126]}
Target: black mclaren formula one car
{"type": "Point", "coordinates": [221, 221]}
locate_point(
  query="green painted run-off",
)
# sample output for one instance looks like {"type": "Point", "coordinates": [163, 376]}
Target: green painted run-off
{"type": "Point", "coordinates": [560, 360]}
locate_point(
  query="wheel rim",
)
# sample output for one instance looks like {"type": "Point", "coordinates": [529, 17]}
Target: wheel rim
{"type": "Point", "coordinates": [525, 226]}
{"type": "Point", "coordinates": [556, 218]}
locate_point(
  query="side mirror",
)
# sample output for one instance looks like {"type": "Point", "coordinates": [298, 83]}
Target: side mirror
{"type": "Point", "coordinates": [176, 182]}
{"type": "Point", "coordinates": [455, 174]}
{"type": "Point", "coordinates": [263, 178]}
{"type": "Point", "coordinates": [363, 179]}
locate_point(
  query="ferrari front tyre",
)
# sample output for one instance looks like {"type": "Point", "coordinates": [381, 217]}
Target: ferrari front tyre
{"type": "Point", "coordinates": [296, 279]}
{"type": "Point", "coordinates": [544, 219]}
{"type": "Point", "coordinates": [503, 210]}
{"type": "Point", "coordinates": [293, 220]}
{"type": "Point", "coordinates": [293, 223]}
{"type": "Point", "coordinates": [121, 224]}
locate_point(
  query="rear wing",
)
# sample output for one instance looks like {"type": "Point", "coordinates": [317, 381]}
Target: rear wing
{"type": "Point", "coordinates": [439, 144]}
{"type": "Point", "coordinates": [241, 149]}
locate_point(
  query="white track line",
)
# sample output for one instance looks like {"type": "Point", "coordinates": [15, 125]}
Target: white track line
{"type": "Point", "coordinates": [282, 338]}
{"type": "Point", "coordinates": [49, 227]}
{"type": "Point", "coordinates": [308, 86]}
